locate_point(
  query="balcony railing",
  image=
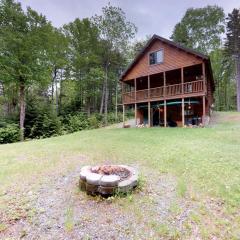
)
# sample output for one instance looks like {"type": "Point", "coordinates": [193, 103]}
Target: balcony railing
{"type": "Point", "coordinates": [167, 92]}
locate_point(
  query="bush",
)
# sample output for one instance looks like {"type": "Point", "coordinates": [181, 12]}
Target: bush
{"type": "Point", "coordinates": [9, 133]}
{"type": "Point", "coordinates": [76, 122]}
{"type": "Point", "coordinates": [46, 125]}
{"type": "Point", "coordinates": [94, 122]}
{"type": "Point", "coordinates": [41, 120]}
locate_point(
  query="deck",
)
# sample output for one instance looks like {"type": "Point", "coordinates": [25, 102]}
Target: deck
{"type": "Point", "coordinates": [182, 90]}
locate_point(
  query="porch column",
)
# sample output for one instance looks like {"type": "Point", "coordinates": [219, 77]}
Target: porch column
{"type": "Point", "coordinates": [149, 103]}
{"type": "Point", "coordinates": [165, 103]}
{"type": "Point", "coordinates": [182, 89]}
{"type": "Point", "coordinates": [165, 113]}
{"type": "Point", "coordinates": [135, 114]}
{"type": "Point", "coordinates": [123, 115]}
{"type": "Point", "coordinates": [135, 95]}
{"type": "Point", "coordinates": [183, 115]}
{"type": "Point", "coordinates": [204, 110]}
{"type": "Point", "coordinates": [149, 114]}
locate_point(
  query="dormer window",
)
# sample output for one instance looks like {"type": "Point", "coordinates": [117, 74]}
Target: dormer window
{"type": "Point", "coordinates": [156, 57]}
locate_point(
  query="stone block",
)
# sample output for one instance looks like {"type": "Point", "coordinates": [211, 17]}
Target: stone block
{"type": "Point", "coordinates": [109, 180]}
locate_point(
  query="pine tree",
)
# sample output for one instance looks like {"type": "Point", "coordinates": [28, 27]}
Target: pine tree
{"type": "Point", "coordinates": [233, 45]}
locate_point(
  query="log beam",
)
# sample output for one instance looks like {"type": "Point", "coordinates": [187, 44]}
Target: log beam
{"type": "Point", "coordinates": [149, 114]}
{"type": "Point", "coordinates": [183, 115]}
{"type": "Point", "coordinates": [204, 110]}
{"type": "Point", "coordinates": [165, 113]}
{"type": "Point", "coordinates": [123, 115]}
{"type": "Point", "coordinates": [135, 114]}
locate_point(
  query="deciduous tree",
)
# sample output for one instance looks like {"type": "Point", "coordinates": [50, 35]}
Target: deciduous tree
{"type": "Point", "coordinates": [24, 57]}
{"type": "Point", "coordinates": [233, 45]}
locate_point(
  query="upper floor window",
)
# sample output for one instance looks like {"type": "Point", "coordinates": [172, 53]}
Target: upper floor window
{"type": "Point", "coordinates": [156, 57]}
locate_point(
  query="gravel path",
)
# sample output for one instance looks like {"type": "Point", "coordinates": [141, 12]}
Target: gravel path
{"type": "Point", "coordinates": [61, 211]}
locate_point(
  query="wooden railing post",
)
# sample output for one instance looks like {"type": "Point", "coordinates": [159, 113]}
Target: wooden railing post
{"type": "Point", "coordinates": [182, 80]}
{"type": "Point", "coordinates": [204, 77]}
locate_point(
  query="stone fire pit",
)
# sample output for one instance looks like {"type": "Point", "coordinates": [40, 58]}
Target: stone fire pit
{"type": "Point", "coordinates": [108, 179]}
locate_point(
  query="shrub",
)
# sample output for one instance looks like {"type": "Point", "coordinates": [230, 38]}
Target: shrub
{"type": "Point", "coordinates": [46, 125]}
{"type": "Point", "coordinates": [94, 122]}
{"type": "Point", "coordinates": [76, 122]}
{"type": "Point", "coordinates": [9, 133]}
{"type": "Point", "coordinates": [41, 120]}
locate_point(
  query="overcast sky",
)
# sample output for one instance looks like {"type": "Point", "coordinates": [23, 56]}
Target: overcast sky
{"type": "Point", "coordinates": [150, 16]}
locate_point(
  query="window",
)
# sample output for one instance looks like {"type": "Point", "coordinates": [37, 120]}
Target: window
{"type": "Point", "coordinates": [156, 57]}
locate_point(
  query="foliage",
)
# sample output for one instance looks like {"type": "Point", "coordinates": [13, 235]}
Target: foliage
{"type": "Point", "coordinates": [200, 28]}
{"type": "Point", "coordinates": [24, 49]}
{"type": "Point", "coordinates": [9, 133]}
{"type": "Point", "coordinates": [223, 73]}
{"type": "Point", "coordinates": [76, 122]}
{"type": "Point", "coordinates": [115, 34]}
{"type": "Point", "coordinates": [233, 32]}
{"type": "Point", "coordinates": [41, 121]}
{"type": "Point", "coordinates": [233, 45]}
{"type": "Point", "coordinates": [136, 47]}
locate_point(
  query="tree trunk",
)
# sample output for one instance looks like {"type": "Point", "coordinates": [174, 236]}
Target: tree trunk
{"type": "Point", "coordinates": [103, 96]}
{"type": "Point", "coordinates": [116, 101]}
{"type": "Point", "coordinates": [88, 106]}
{"type": "Point", "coordinates": [53, 82]}
{"type": "Point", "coordinates": [238, 81]}
{"type": "Point", "coordinates": [60, 93]}
{"type": "Point", "coordinates": [106, 97]}
{"type": "Point", "coordinates": [22, 104]}
{"type": "Point", "coordinates": [56, 95]}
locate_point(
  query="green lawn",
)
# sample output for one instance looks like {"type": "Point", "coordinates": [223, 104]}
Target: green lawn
{"type": "Point", "coordinates": [205, 163]}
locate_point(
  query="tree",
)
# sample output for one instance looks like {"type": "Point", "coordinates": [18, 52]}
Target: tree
{"type": "Point", "coordinates": [84, 60]}
{"type": "Point", "coordinates": [23, 58]}
{"type": "Point", "coordinates": [136, 47]}
{"type": "Point", "coordinates": [200, 29]}
{"type": "Point", "coordinates": [233, 45]}
{"type": "Point", "coordinates": [58, 48]}
{"type": "Point", "coordinates": [222, 66]}
{"type": "Point", "coordinates": [115, 32]}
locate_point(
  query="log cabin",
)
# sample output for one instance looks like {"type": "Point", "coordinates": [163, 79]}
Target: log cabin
{"type": "Point", "coordinates": [168, 85]}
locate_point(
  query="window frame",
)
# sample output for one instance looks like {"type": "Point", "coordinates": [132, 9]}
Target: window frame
{"type": "Point", "coordinates": [161, 49]}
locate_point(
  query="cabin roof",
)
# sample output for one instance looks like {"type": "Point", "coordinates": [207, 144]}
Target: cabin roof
{"type": "Point", "coordinates": [173, 44]}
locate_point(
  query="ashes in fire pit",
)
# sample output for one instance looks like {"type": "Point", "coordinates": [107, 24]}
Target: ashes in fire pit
{"type": "Point", "coordinates": [107, 179]}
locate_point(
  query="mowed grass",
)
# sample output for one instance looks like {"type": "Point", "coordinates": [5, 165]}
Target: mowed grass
{"type": "Point", "coordinates": [205, 161]}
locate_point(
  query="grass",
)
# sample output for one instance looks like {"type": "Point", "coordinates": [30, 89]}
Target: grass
{"type": "Point", "coordinates": [69, 222]}
{"type": "Point", "coordinates": [205, 162]}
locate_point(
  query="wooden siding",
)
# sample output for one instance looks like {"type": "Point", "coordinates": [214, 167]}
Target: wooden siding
{"type": "Point", "coordinates": [173, 58]}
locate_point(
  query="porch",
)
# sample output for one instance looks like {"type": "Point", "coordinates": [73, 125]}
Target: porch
{"type": "Point", "coordinates": [178, 83]}
{"type": "Point", "coordinates": [169, 113]}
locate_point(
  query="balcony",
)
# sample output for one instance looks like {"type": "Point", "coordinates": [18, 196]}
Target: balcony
{"type": "Point", "coordinates": [188, 89]}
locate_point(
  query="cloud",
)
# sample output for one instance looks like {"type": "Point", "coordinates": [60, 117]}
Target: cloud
{"type": "Point", "coordinates": [150, 16]}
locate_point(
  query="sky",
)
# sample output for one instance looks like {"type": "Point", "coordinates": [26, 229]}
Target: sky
{"type": "Point", "coordinates": [150, 16]}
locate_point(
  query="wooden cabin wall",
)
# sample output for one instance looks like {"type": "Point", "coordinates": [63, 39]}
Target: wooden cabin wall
{"type": "Point", "coordinates": [173, 58]}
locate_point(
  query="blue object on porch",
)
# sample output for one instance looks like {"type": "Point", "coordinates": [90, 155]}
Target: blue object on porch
{"type": "Point", "coordinates": [186, 102]}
